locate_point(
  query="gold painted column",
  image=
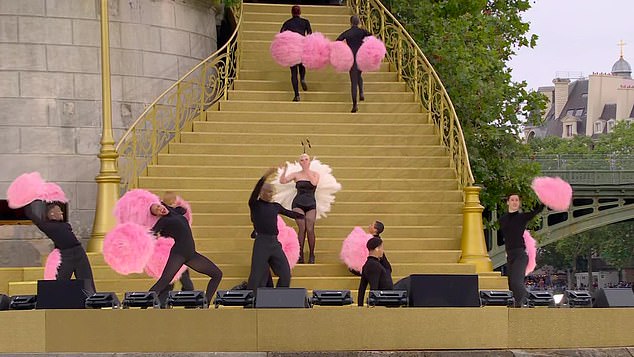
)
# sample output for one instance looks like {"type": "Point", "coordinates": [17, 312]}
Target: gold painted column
{"type": "Point", "coordinates": [108, 179]}
{"type": "Point", "coordinates": [474, 249]}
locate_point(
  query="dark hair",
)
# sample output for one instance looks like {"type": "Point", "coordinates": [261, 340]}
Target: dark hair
{"type": "Point", "coordinates": [296, 10]}
{"type": "Point", "coordinates": [379, 226]}
{"type": "Point", "coordinates": [512, 194]}
{"type": "Point", "coordinates": [51, 205]}
{"type": "Point", "coordinates": [373, 243]}
{"type": "Point", "coordinates": [354, 20]}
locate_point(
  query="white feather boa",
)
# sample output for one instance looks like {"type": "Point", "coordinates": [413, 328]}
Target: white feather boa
{"type": "Point", "coordinates": [324, 194]}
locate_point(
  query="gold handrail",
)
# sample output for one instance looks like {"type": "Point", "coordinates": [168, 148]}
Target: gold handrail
{"type": "Point", "coordinates": [184, 101]}
{"type": "Point", "coordinates": [414, 68]}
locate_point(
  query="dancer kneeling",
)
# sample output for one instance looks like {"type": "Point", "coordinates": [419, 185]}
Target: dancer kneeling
{"type": "Point", "coordinates": [376, 271]}
{"type": "Point", "coordinates": [172, 223]}
{"type": "Point", "coordinates": [267, 250]}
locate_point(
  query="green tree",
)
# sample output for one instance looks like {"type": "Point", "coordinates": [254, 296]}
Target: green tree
{"type": "Point", "coordinates": [617, 246]}
{"type": "Point", "coordinates": [469, 44]}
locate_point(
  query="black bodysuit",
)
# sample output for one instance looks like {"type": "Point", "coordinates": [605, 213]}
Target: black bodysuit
{"type": "Point", "coordinates": [176, 226]}
{"type": "Point", "coordinates": [377, 273]}
{"type": "Point", "coordinates": [305, 198]}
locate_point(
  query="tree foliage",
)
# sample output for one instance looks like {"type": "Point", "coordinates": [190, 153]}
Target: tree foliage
{"type": "Point", "coordinates": [469, 44]}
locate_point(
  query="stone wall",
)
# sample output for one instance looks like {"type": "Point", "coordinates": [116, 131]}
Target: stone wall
{"type": "Point", "coordinates": [50, 90]}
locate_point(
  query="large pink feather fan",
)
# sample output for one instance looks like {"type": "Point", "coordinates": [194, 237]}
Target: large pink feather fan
{"type": "Point", "coordinates": [316, 54]}
{"type": "Point", "coordinates": [24, 189]}
{"type": "Point", "coordinates": [53, 261]}
{"type": "Point", "coordinates": [531, 251]}
{"type": "Point", "coordinates": [156, 264]}
{"type": "Point", "coordinates": [370, 54]}
{"type": "Point", "coordinates": [287, 48]}
{"type": "Point", "coordinates": [354, 252]}
{"type": "Point", "coordinates": [188, 208]}
{"type": "Point", "coordinates": [288, 239]}
{"type": "Point", "coordinates": [51, 192]}
{"type": "Point", "coordinates": [553, 192]}
{"type": "Point", "coordinates": [341, 57]}
{"type": "Point", "coordinates": [128, 247]}
{"type": "Point", "coordinates": [134, 206]}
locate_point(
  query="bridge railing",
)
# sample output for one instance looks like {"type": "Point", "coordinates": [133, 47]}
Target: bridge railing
{"type": "Point", "coordinates": [584, 162]}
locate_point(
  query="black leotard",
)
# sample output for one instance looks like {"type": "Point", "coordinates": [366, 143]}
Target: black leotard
{"type": "Point", "coordinates": [176, 226]}
{"type": "Point", "coordinates": [305, 198]}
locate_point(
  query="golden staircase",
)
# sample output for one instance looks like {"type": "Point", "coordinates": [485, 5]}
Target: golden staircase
{"type": "Point", "coordinates": [388, 158]}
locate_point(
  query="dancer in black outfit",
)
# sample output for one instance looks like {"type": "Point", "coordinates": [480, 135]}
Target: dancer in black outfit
{"type": "Point", "coordinates": [169, 199]}
{"type": "Point", "coordinates": [51, 222]}
{"type": "Point", "coordinates": [173, 224]}
{"type": "Point", "coordinates": [354, 38]}
{"type": "Point", "coordinates": [376, 271]}
{"type": "Point", "coordinates": [302, 27]}
{"type": "Point", "coordinates": [267, 250]}
{"type": "Point", "coordinates": [306, 182]}
{"type": "Point", "coordinates": [512, 226]}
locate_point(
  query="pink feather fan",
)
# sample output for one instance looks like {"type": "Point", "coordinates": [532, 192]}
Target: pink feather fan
{"type": "Point", "coordinates": [287, 48]}
{"type": "Point", "coordinates": [53, 261]}
{"type": "Point", "coordinates": [134, 206]}
{"type": "Point", "coordinates": [288, 239]}
{"type": "Point", "coordinates": [25, 189]}
{"type": "Point", "coordinates": [341, 57]}
{"type": "Point", "coordinates": [51, 192]}
{"type": "Point", "coordinates": [188, 208]}
{"type": "Point", "coordinates": [316, 53]}
{"type": "Point", "coordinates": [128, 247]}
{"type": "Point", "coordinates": [161, 253]}
{"type": "Point", "coordinates": [354, 252]}
{"type": "Point", "coordinates": [370, 54]}
{"type": "Point", "coordinates": [531, 251]}
{"type": "Point", "coordinates": [553, 192]}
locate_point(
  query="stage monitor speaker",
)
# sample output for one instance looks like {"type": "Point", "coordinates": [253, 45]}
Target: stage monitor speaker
{"type": "Point", "coordinates": [540, 298]}
{"type": "Point", "coordinates": [63, 294]}
{"type": "Point", "coordinates": [23, 302]}
{"type": "Point", "coordinates": [331, 297]}
{"type": "Point", "coordinates": [441, 290]}
{"type": "Point", "coordinates": [577, 298]}
{"type": "Point", "coordinates": [497, 298]}
{"type": "Point", "coordinates": [4, 302]}
{"type": "Point", "coordinates": [614, 297]}
{"type": "Point", "coordinates": [103, 300]}
{"type": "Point", "coordinates": [281, 298]}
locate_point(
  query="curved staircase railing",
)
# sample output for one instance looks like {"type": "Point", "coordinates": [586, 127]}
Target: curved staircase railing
{"type": "Point", "coordinates": [183, 102]}
{"type": "Point", "coordinates": [414, 68]}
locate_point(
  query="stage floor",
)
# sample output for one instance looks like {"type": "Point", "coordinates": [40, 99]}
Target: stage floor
{"type": "Point", "coordinates": [317, 329]}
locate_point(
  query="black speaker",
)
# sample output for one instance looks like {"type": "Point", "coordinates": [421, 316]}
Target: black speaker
{"type": "Point", "coordinates": [103, 300]}
{"type": "Point", "coordinates": [63, 294]}
{"type": "Point", "coordinates": [614, 297]}
{"type": "Point", "coordinates": [234, 298]}
{"type": "Point", "coordinates": [440, 290]}
{"type": "Point", "coordinates": [540, 298]}
{"type": "Point", "coordinates": [577, 298]}
{"type": "Point", "coordinates": [281, 298]}
{"type": "Point", "coordinates": [4, 302]}
{"type": "Point", "coordinates": [23, 302]}
{"type": "Point", "coordinates": [191, 299]}
{"type": "Point", "coordinates": [331, 297]}
{"type": "Point", "coordinates": [497, 298]}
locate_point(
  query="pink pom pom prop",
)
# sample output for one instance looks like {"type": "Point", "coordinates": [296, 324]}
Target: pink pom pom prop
{"type": "Point", "coordinates": [25, 189]}
{"type": "Point", "coordinates": [128, 247]}
{"type": "Point", "coordinates": [316, 53]}
{"type": "Point", "coordinates": [134, 207]}
{"type": "Point", "coordinates": [553, 192]}
{"type": "Point", "coordinates": [51, 192]}
{"type": "Point", "coordinates": [287, 48]}
{"type": "Point", "coordinates": [288, 239]}
{"type": "Point", "coordinates": [158, 260]}
{"type": "Point", "coordinates": [53, 261]}
{"type": "Point", "coordinates": [354, 252]}
{"type": "Point", "coordinates": [370, 54]}
{"type": "Point", "coordinates": [531, 251]}
{"type": "Point", "coordinates": [341, 57]}
{"type": "Point", "coordinates": [188, 208]}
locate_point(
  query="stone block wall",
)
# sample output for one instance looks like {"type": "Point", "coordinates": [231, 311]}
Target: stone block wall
{"type": "Point", "coordinates": [50, 91]}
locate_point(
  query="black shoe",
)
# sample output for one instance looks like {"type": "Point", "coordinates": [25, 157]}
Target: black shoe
{"type": "Point", "coordinates": [361, 98]}
{"type": "Point", "coordinates": [296, 99]}
{"type": "Point", "coordinates": [311, 259]}
{"type": "Point", "coordinates": [354, 109]}
{"type": "Point", "coordinates": [304, 86]}
{"type": "Point", "coordinates": [301, 259]}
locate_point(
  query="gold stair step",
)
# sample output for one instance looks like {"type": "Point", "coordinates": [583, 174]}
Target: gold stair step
{"type": "Point", "coordinates": [317, 86]}
{"type": "Point", "coordinates": [307, 127]}
{"type": "Point", "coordinates": [269, 35]}
{"type": "Point", "coordinates": [316, 19]}
{"type": "Point", "coordinates": [320, 117]}
{"type": "Point", "coordinates": [286, 9]}
{"type": "Point", "coordinates": [254, 60]}
{"type": "Point", "coordinates": [333, 107]}
{"type": "Point", "coordinates": [275, 26]}
{"type": "Point", "coordinates": [310, 96]}
{"type": "Point", "coordinates": [325, 75]}
{"type": "Point", "coordinates": [251, 149]}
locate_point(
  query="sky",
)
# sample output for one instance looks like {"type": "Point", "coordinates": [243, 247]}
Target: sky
{"type": "Point", "coordinates": [574, 36]}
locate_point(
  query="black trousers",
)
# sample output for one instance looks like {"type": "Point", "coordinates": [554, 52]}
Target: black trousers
{"type": "Point", "coordinates": [298, 68]}
{"type": "Point", "coordinates": [356, 83]}
{"type": "Point", "coordinates": [516, 262]}
{"type": "Point", "coordinates": [75, 260]}
{"type": "Point", "coordinates": [268, 253]}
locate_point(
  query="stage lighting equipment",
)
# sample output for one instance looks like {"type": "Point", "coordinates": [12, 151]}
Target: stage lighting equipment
{"type": "Point", "coordinates": [393, 298]}
{"type": "Point", "coordinates": [142, 299]}
{"type": "Point", "coordinates": [23, 302]}
{"type": "Point", "coordinates": [188, 299]}
{"type": "Point", "coordinates": [577, 298]}
{"type": "Point", "coordinates": [103, 300]}
{"type": "Point", "coordinates": [234, 298]}
{"type": "Point", "coordinates": [540, 298]}
{"type": "Point", "coordinates": [497, 298]}
{"type": "Point", "coordinates": [331, 297]}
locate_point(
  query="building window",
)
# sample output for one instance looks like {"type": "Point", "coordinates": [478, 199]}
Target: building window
{"type": "Point", "coordinates": [570, 112]}
{"type": "Point", "coordinates": [598, 127]}
{"type": "Point", "coordinates": [569, 132]}
{"type": "Point", "coordinates": [579, 112]}
{"type": "Point", "coordinates": [610, 125]}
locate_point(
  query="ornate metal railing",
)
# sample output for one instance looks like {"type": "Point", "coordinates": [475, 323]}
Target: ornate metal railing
{"type": "Point", "coordinates": [183, 102]}
{"type": "Point", "coordinates": [414, 68]}
{"type": "Point", "coordinates": [578, 162]}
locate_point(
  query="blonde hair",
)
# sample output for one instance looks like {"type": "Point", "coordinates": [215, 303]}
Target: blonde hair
{"type": "Point", "coordinates": [169, 197]}
{"type": "Point", "coordinates": [304, 155]}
